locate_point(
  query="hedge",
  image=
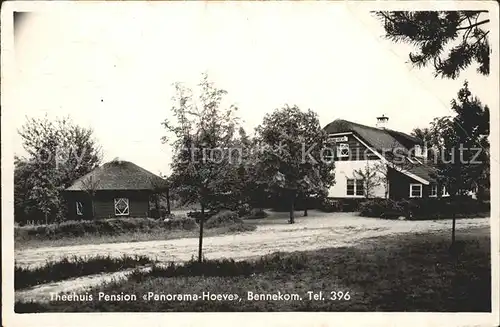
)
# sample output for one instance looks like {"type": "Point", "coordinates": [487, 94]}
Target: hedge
{"type": "Point", "coordinates": [423, 208]}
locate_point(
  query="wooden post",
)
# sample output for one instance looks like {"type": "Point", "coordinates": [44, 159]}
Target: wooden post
{"type": "Point", "coordinates": [453, 231]}
{"type": "Point", "coordinates": [292, 208]}
{"type": "Point", "coordinates": [200, 244]}
{"type": "Point", "coordinates": [168, 201]}
{"type": "Point", "coordinates": [305, 206]}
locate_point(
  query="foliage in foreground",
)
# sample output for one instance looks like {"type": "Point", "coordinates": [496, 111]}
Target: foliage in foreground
{"type": "Point", "coordinates": [449, 40]}
{"type": "Point", "coordinates": [411, 273]}
{"type": "Point", "coordinates": [74, 267]}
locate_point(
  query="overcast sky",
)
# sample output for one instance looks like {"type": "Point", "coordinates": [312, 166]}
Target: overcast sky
{"type": "Point", "coordinates": [112, 70]}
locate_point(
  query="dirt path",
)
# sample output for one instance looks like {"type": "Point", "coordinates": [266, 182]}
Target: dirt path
{"type": "Point", "coordinates": [307, 234]}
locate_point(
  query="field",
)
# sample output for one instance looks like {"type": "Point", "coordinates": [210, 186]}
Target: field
{"type": "Point", "coordinates": [402, 272]}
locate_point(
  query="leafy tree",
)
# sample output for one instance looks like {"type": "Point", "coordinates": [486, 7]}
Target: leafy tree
{"type": "Point", "coordinates": [423, 134]}
{"type": "Point", "coordinates": [292, 156]}
{"type": "Point", "coordinates": [58, 152]}
{"type": "Point", "coordinates": [463, 143]}
{"type": "Point", "coordinates": [202, 133]}
{"type": "Point", "coordinates": [449, 40]}
{"type": "Point", "coordinates": [24, 206]}
{"type": "Point", "coordinates": [462, 140]}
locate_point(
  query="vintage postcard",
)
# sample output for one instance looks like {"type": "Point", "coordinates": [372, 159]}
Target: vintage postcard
{"type": "Point", "coordinates": [283, 163]}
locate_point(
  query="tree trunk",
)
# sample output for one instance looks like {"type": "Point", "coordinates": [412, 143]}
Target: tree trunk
{"type": "Point", "coordinates": [292, 208]}
{"type": "Point", "coordinates": [453, 230]}
{"type": "Point", "coordinates": [387, 189]}
{"type": "Point", "coordinates": [46, 219]}
{"type": "Point", "coordinates": [200, 244]}
{"type": "Point", "coordinates": [157, 205]}
{"type": "Point", "coordinates": [93, 208]}
{"type": "Point", "coordinates": [305, 206]}
{"type": "Point", "coordinates": [455, 210]}
{"type": "Point", "coordinates": [168, 201]}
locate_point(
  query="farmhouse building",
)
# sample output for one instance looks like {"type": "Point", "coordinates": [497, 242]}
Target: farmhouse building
{"type": "Point", "coordinates": [115, 189]}
{"type": "Point", "coordinates": [397, 162]}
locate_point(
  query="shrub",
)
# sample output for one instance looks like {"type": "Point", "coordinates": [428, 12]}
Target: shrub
{"type": "Point", "coordinates": [423, 208]}
{"type": "Point", "coordinates": [113, 226]}
{"type": "Point", "coordinates": [257, 214]}
{"type": "Point", "coordinates": [380, 208]}
{"type": "Point", "coordinates": [224, 218]}
{"type": "Point", "coordinates": [330, 205]}
{"type": "Point", "coordinates": [161, 212]}
{"type": "Point", "coordinates": [244, 210]}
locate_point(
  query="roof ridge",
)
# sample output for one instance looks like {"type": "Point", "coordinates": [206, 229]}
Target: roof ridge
{"type": "Point", "coordinates": [132, 175]}
{"type": "Point", "coordinates": [368, 126]}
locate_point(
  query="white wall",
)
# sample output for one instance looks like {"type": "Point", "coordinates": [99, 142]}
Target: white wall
{"type": "Point", "coordinates": [345, 170]}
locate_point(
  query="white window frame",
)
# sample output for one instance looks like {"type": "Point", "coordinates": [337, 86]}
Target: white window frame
{"type": "Point", "coordinates": [124, 212]}
{"type": "Point", "coordinates": [433, 190]}
{"type": "Point", "coordinates": [355, 187]}
{"type": "Point", "coordinates": [343, 146]}
{"type": "Point", "coordinates": [411, 188]}
{"type": "Point", "coordinates": [79, 208]}
{"type": "Point", "coordinates": [445, 193]}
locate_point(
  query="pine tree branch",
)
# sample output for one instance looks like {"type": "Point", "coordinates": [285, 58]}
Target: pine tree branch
{"type": "Point", "coordinates": [473, 25]}
{"type": "Point", "coordinates": [478, 40]}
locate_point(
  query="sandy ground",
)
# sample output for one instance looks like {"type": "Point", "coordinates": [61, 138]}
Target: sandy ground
{"type": "Point", "coordinates": [309, 233]}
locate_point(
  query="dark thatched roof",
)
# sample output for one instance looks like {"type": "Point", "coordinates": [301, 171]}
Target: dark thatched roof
{"type": "Point", "coordinates": [119, 175]}
{"type": "Point", "coordinates": [425, 171]}
{"type": "Point", "coordinates": [379, 139]}
{"type": "Point", "coordinates": [385, 141]}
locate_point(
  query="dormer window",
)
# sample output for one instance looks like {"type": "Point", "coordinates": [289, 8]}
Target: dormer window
{"type": "Point", "coordinates": [343, 150]}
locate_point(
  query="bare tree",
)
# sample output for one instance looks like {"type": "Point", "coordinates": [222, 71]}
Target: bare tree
{"type": "Point", "coordinates": [90, 186]}
{"type": "Point", "coordinates": [371, 179]}
{"type": "Point", "coordinates": [160, 189]}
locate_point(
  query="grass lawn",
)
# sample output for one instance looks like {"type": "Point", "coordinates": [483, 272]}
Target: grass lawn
{"type": "Point", "coordinates": [408, 272]}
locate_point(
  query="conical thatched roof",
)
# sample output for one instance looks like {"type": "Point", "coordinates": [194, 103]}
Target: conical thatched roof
{"type": "Point", "coordinates": [119, 175]}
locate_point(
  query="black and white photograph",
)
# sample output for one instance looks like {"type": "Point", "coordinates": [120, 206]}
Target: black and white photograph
{"type": "Point", "coordinates": [298, 157]}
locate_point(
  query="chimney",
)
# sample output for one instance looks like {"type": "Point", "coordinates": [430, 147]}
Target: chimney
{"type": "Point", "coordinates": [382, 122]}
